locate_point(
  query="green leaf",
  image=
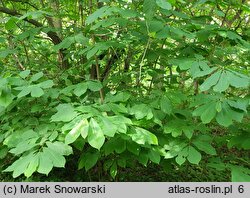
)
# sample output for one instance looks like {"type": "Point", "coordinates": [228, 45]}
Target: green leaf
{"type": "Point", "coordinates": [80, 89]}
{"type": "Point", "coordinates": [88, 160]}
{"type": "Point", "coordinates": [113, 170]}
{"type": "Point", "coordinates": [224, 119]}
{"type": "Point", "coordinates": [97, 14]}
{"type": "Point", "coordinates": [3, 152]}
{"type": "Point", "coordinates": [166, 105]}
{"type": "Point", "coordinates": [143, 159]}
{"type": "Point", "coordinates": [20, 165]}
{"type": "Point", "coordinates": [32, 167]}
{"type": "Point", "coordinates": [66, 43]}
{"type": "Point", "coordinates": [226, 116]}
{"type": "Point", "coordinates": [119, 97]}
{"type": "Point", "coordinates": [183, 63]}
{"type": "Point", "coordinates": [96, 137]}
{"type": "Point", "coordinates": [216, 163]}
{"type": "Point", "coordinates": [154, 156]}
{"type": "Point", "coordinates": [6, 97]}
{"type": "Point", "coordinates": [181, 158]}
{"type": "Point", "coordinates": [218, 106]}
{"type": "Point", "coordinates": [122, 162]}
{"type": "Point", "coordinates": [77, 131]}
{"type": "Point", "coordinates": [36, 77]}
{"type": "Point", "coordinates": [164, 4]}
{"type": "Point", "coordinates": [65, 113]}
{"type": "Point", "coordinates": [93, 51]}
{"type": "Point", "coordinates": [149, 7]}
{"type": "Point", "coordinates": [108, 128]}
{"type": "Point", "coordinates": [239, 174]}
{"type": "Point", "coordinates": [57, 159]}
{"type": "Point", "coordinates": [133, 147]}
{"type": "Point", "coordinates": [210, 81]}
{"type": "Point", "coordinates": [60, 147]}
{"type": "Point", "coordinates": [222, 84]}
{"type": "Point", "coordinates": [140, 111]}
{"type": "Point", "coordinates": [11, 24]}
{"type": "Point", "coordinates": [46, 84]}
{"type": "Point", "coordinates": [119, 145]}
{"type": "Point", "coordinates": [202, 73]}
{"type": "Point", "coordinates": [94, 85]}
{"type": "Point", "coordinates": [53, 136]}
{"type": "Point", "coordinates": [36, 92]}
{"type": "Point", "coordinates": [117, 108]}
{"type": "Point", "coordinates": [204, 146]}
{"type": "Point", "coordinates": [45, 164]}
{"type": "Point", "coordinates": [194, 157]}
{"type": "Point", "coordinates": [25, 91]}
{"type": "Point", "coordinates": [121, 122]}
{"type": "Point", "coordinates": [23, 146]}
{"type": "Point", "coordinates": [241, 104]}
{"type": "Point", "coordinates": [2, 39]}
{"type": "Point", "coordinates": [24, 74]}
{"type": "Point", "coordinates": [142, 136]}
{"type": "Point", "coordinates": [237, 80]}
{"type": "Point", "coordinates": [209, 113]}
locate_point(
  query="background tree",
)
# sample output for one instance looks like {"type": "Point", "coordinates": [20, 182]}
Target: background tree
{"type": "Point", "coordinates": [115, 83]}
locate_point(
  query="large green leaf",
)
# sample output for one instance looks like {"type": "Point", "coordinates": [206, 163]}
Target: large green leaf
{"type": "Point", "coordinates": [46, 84]}
{"type": "Point", "coordinates": [166, 105]}
{"type": "Point", "coordinates": [240, 174]}
{"type": "Point", "coordinates": [109, 128]}
{"type": "Point", "coordinates": [36, 76]}
{"type": "Point", "coordinates": [164, 4]}
{"type": "Point", "coordinates": [57, 158]}
{"type": "Point", "coordinates": [23, 146]}
{"type": "Point", "coordinates": [60, 147]}
{"type": "Point", "coordinates": [6, 97]}
{"type": "Point", "coordinates": [149, 7]}
{"type": "Point", "coordinates": [96, 137]}
{"type": "Point", "coordinates": [25, 91]}
{"type": "Point", "coordinates": [113, 170]}
{"type": "Point", "coordinates": [141, 110]}
{"type": "Point", "coordinates": [32, 167]}
{"type": "Point", "coordinates": [80, 89]}
{"type": "Point", "coordinates": [3, 152]}
{"type": "Point", "coordinates": [78, 129]}
{"type": "Point", "coordinates": [194, 156]}
{"type": "Point", "coordinates": [20, 165]}
{"type": "Point", "coordinates": [154, 156]}
{"type": "Point", "coordinates": [181, 158]}
{"type": "Point", "coordinates": [36, 91]}
{"type": "Point", "coordinates": [226, 116]}
{"type": "Point", "coordinates": [97, 14]}
{"type": "Point", "coordinates": [207, 112]}
{"type": "Point", "coordinates": [238, 80]}
{"type": "Point", "coordinates": [88, 160]}
{"type": "Point", "coordinates": [45, 163]}
{"type": "Point", "coordinates": [210, 81]}
{"type": "Point", "coordinates": [65, 113]}
{"type": "Point", "coordinates": [133, 147]}
{"type": "Point", "coordinates": [222, 84]}
{"type": "Point", "coordinates": [204, 144]}
{"type": "Point", "coordinates": [24, 74]}
{"type": "Point", "coordinates": [142, 136]}
{"type": "Point", "coordinates": [94, 85]}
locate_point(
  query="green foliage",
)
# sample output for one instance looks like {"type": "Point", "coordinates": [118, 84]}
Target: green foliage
{"type": "Point", "coordinates": [118, 83]}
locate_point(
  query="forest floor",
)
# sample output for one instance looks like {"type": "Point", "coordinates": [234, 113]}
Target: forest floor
{"type": "Point", "coordinates": [139, 173]}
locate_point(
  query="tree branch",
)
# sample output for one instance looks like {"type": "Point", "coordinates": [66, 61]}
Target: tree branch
{"type": "Point", "coordinates": [52, 35]}
{"type": "Point", "coordinates": [55, 39]}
